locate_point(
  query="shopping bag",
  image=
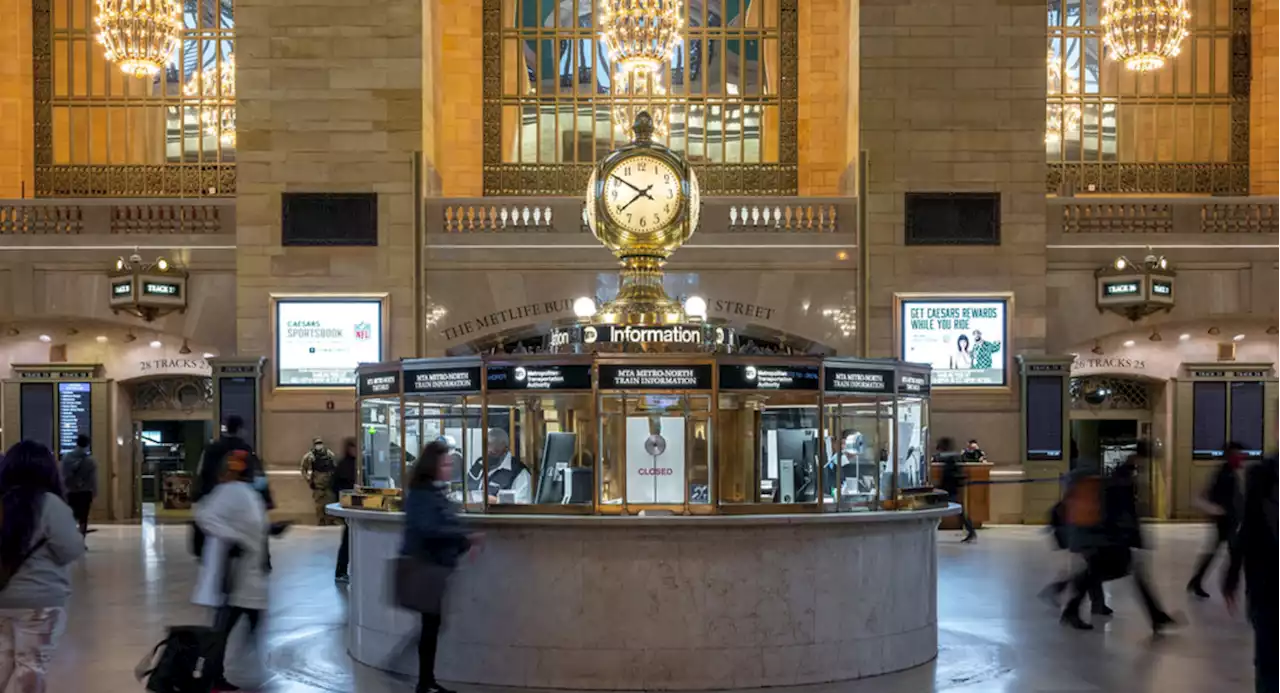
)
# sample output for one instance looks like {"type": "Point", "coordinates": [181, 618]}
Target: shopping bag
{"type": "Point", "coordinates": [419, 585]}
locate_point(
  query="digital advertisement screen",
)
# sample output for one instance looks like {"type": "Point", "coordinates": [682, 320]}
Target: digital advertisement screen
{"type": "Point", "coordinates": [1208, 420]}
{"type": "Point", "coordinates": [1247, 417]}
{"type": "Point", "coordinates": [964, 339]}
{"type": "Point", "coordinates": [1044, 417]}
{"type": "Point", "coordinates": [74, 415]}
{"type": "Point", "coordinates": [320, 342]}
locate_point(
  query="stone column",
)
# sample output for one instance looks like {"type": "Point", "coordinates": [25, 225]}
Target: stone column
{"type": "Point", "coordinates": [1264, 99]}
{"type": "Point", "coordinates": [17, 156]}
{"type": "Point", "coordinates": [952, 99]}
{"type": "Point", "coordinates": [330, 100]}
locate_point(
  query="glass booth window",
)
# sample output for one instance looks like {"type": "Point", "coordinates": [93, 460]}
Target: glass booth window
{"type": "Point", "coordinates": [454, 420]}
{"type": "Point", "coordinates": [913, 433]}
{"type": "Point", "coordinates": [380, 442]}
{"type": "Point", "coordinates": [655, 450]}
{"type": "Point", "coordinates": [540, 449]}
{"type": "Point", "coordinates": [858, 471]}
{"type": "Point", "coordinates": [769, 448]}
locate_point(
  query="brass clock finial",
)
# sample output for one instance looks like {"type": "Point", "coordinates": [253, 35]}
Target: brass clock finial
{"type": "Point", "coordinates": [643, 128]}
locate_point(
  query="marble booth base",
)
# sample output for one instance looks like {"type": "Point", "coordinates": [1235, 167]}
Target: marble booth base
{"type": "Point", "coordinates": [670, 603]}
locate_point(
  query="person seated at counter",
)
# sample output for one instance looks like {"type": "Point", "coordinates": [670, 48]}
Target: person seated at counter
{"type": "Point", "coordinates": [509, 481]}
{"type": "Point", "coordinates": [973, 453]}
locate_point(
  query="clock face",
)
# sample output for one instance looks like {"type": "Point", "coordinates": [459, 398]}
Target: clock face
{"type": "Point", "coordinates": [642, 194]}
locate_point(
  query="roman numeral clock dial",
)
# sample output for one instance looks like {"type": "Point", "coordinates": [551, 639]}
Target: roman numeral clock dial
{"type": "Point", "coordinates": [642, 194]}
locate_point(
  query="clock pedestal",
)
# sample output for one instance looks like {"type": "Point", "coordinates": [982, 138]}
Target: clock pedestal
{"type": "Point", "coordinates": [641, 299]}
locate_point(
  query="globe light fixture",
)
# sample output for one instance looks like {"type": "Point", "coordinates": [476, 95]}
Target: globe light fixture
{"type": "Point", "coordinates": [584, 307]}
{"type": "Point", "coordinates": [640, 36]}
{"type": "Point", "coordinates": [215, 87]}
{"type": "Point", "coordinates": [696, 307]}
{"type": "Point", "coordinates": [140, 36]}
{"type": "Point", "coordinates": [1144, 34]}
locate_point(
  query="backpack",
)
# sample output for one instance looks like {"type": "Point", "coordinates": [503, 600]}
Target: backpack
{"type": "Point", "coordinates": [177, 664]}
{"type": "Point", "coordinates": [1083, 503]}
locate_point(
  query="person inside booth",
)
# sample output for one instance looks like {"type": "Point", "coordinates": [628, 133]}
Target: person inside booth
{"type": "Point", "coordinates": [509, 481]}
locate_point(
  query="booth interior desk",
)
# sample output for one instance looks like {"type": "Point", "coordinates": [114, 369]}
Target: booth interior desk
{"type": "Point", "coordinates": [676, 602]}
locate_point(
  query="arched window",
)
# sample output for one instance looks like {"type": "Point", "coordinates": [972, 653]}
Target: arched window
{"type": "Point", "coordinates": [100, 132]}
{"type": "Point", "coordinates": [730, 95]}
{"type": "Point", "coordinates": [1183, 128]}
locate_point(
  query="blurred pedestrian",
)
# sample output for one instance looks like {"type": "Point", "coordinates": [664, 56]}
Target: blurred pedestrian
{"type": "Point", "coordinates": [952, 481]}
{"type": "Point", "coordinates": [80, 475]}
{"type": "Point", "coordinates": [344, 479]}
{"type": "Point", "coordinates": [1254, 550]}
{"type": "Point", "coordinates": [1222, 501]}
{"type": "Point", "coordinates": [39, 537]}
{"type": "Point", "coordinates": [1060, 530]}
{"type": "Point", "coordinates": [434, 541]}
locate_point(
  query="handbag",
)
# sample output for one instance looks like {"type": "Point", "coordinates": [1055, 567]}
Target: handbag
{"type": "Point", "coordinates": [419, 585]}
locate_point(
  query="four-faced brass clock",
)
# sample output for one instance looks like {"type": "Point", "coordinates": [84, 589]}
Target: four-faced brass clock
{"type": "Point", "coordinates": [642, 200]}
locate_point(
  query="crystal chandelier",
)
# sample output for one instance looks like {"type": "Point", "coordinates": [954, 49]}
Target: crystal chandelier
{"type": "Point", "coordinates": [215, 87]}
{"type": "Point", "coordinates": [139, 35]}
{"type": "Point", "coordinates": [1144, 33]}
{"type": "Point", "coordinates": [1060, 118]}
{"type": "Point", "coordinates": [640, 36]}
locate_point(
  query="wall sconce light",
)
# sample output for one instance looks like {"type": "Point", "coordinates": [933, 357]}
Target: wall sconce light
{"type": "Point", "coordinates": [186, 348]}
{"type": "Point", "coordinates": [130, 337]}
{"type": "Point", "coordinates": [1155, 335]}
{"type": "Point", "coordinates": [1273, 330]}
{"type": "Point", "coordinates": [1097, 348]}
{"type": "Point", "coordinates": [1215, 331]}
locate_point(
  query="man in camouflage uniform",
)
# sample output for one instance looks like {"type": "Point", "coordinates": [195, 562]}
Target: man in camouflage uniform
{"type": "Point", "coordinates": [318, 467]}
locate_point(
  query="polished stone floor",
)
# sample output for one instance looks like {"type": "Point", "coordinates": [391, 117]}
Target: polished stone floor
{"type": "Point", "coordinates": [995, 635]}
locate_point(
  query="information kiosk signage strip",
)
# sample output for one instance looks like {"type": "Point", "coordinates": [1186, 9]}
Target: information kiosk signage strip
{"type": "Point", "coordinates": [858, 380]}
{"type": "Point", "coordinates": [376, 383]}
{"type": "Point", "coordinates": [640, 377]}
{"type": "Point", "coordinates": [539, 377]}
{"type": "Point", "coordinates": [431, 380]}
{"type": "Point", "coordinates": [734, 376]}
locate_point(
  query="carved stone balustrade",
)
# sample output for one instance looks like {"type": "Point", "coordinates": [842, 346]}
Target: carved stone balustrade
{"type": "Point", "coordinates": [1076, 216]}
{"type": "Point", "coordinates": [120, 217]}
{"type": "Point", "coordinates": [565, 215]}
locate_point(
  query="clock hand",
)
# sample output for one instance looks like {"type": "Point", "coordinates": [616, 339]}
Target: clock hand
{"type": "Point", "coordinates": [638, 196]}
{"type": "Point", "coordinates": [625, 182]}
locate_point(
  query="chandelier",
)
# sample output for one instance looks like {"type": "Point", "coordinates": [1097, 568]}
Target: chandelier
{"type": "Point", "coordinates": [1144, 33]}
{"type": "Point", "coordinates": [640, 36]}
{"type": "Point", "coordinates": [215, 87]}
{"type": "Point", "coordinates": [1060, 118]}
{"type": "Point", "coordinates": [140, 35]}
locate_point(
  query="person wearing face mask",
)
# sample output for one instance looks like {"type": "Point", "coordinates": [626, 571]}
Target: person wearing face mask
{"type": "Point", "coordinates": [505, 472]}
{"type": "Point", "coordinates": [210, 475]}
{"type": "Point", "coordinates": [1223, 499]}
{"type": "Point", "coordinates": [318, 467]}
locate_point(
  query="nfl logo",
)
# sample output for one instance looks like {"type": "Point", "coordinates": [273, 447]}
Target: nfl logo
{"type": "Point", "coordinates": [364, 330]}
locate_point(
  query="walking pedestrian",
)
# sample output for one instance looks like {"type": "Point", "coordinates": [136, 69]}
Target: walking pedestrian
{"type": "Point", "coordinates": [1223, 500]}
{"type": "Point", "coordinates": [952, 480]}
{"type": "Point", "coordinates": [1254, 551]}
{"type": "Point", "coordinates": [344, 479]}
{"type": "Point", "coordinates": [39, 537]}
{"type": "Point", "coordinates": [210, 475]}
{"type": "Point", "coordinates": [232, 578]}
{"type": "Point", "coordinates": [80, 475]}
{"type": "Point", "coordinates": [435, 540]}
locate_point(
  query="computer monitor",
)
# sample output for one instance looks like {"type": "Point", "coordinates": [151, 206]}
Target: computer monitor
{"type": "Point", "coordinates": [800, 446]}
{"type": "Point", "coordinates": [557, 455]}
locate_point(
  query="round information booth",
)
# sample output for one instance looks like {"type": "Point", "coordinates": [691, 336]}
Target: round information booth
{"type": "Point", "coordinates": [658, 521]}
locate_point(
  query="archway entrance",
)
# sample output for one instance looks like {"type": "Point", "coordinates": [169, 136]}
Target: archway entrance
{"type": "Point", "coordinates": [1109, 415]}
{"type": "Point", "coordinates": [172, 421]}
